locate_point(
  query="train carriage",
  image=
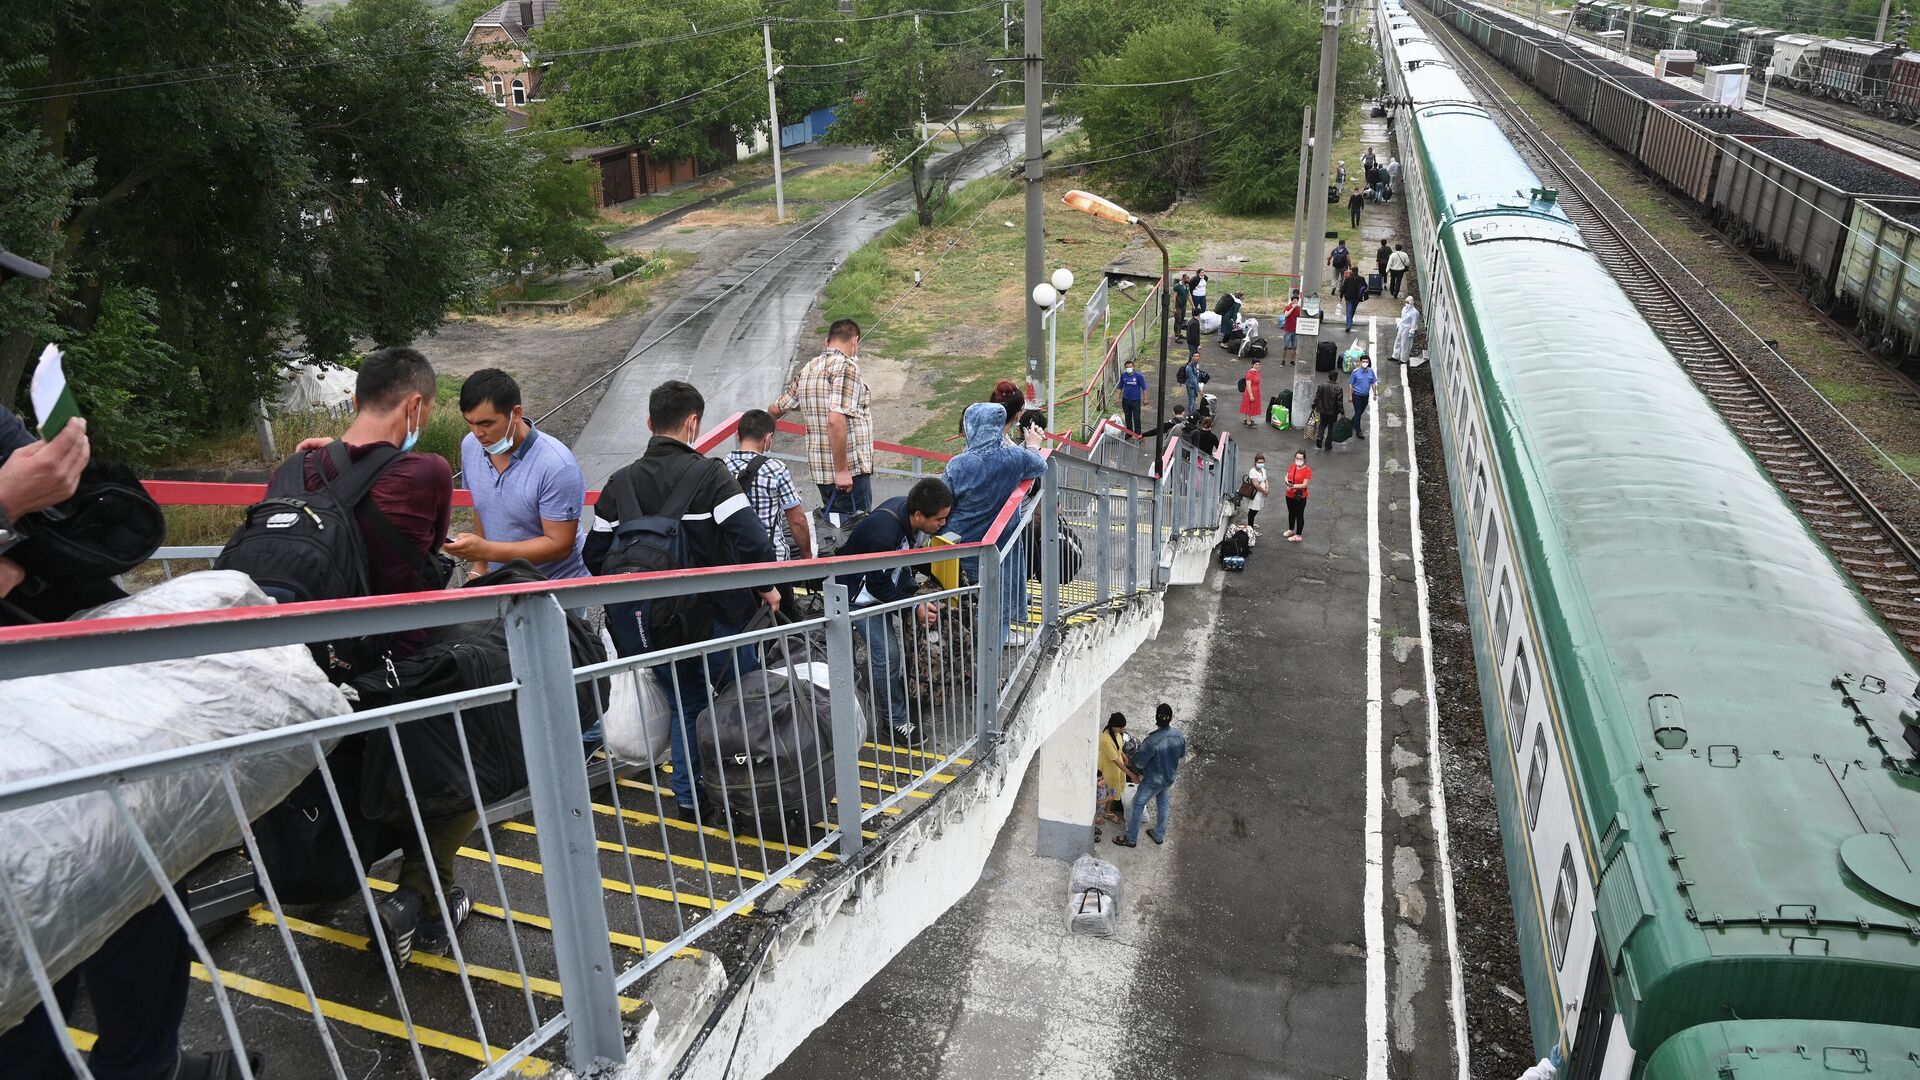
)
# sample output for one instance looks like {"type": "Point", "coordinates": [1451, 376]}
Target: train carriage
{"type": "Point", "coordinates": [1880, 276]}
{"type": "Point", "coordinates": [1651, 29]}
{"type": "Point", "coordinates": [1680, 151]}
{"type": "Point", "coordinates": [1756, 47]}
{"type": "Point", "coordinates": [1715, 41]}
{"type": "Point", "coordinates": [1903, 92]}
{"type": "Point", "coordinates": [1796, 59]}
{"type": "Point", "coordinates": [1619, 115]}
{"type": "Point", "coordinates": [1681, 31]}
{"type": "Point", "coordinates": [1577, 84]}
{"type": "Point", "coordinates": [1695, 722]}
{"type": "Point", "coordinates": [1855, 71]}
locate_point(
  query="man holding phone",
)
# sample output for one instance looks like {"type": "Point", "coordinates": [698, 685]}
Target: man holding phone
{"type": "Point", "coordinates": [34, 473]}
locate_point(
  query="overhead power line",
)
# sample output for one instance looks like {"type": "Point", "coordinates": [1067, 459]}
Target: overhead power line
{"type": "Point", "coordinates": [1143, 85]}
{"type": "Point", "coordinates": [649, 109]}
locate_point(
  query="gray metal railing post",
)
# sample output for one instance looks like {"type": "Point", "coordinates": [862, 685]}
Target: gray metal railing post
{"type": "Point", "coordinates": [991, 627]}
{"type": "Point", "coordinates": [1048, 518]}
{"type": "Point", "coordinates": [843, 698]}
{"type": "Point", "coordinates": [563, 814]}
{"type": "Point", "coordinates": [1103, 528]}
{"type": "Point", "coordinates": [1133, 535]}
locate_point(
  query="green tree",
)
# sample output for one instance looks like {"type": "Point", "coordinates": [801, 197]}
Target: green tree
{"type": "Point", "coordinates": [1159, 133]}
{"type": "Point", "coordinates": [1081, 32]}
{"type": "Point", "coordinates": [676, 97]}
{"type": "Point", "coordinates": [127, 380]}
{"type": "Point", "coordinates": [546, 225]}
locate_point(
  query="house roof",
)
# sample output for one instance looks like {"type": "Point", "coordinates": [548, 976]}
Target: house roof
{"type": "Point", "coordinates": [507, 17]}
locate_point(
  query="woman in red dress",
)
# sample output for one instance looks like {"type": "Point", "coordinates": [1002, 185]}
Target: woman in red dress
{"type": "Point", "coordinates": [1250, 395]}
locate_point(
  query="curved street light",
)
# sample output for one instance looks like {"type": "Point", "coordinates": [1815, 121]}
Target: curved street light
{"type": "Point", "coordinates": [1107, 210]}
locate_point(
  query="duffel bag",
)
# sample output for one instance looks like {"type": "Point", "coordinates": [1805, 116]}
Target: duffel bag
{"type": "Point", "coordinates": [766, 747]}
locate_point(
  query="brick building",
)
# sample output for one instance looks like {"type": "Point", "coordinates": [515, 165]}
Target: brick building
{"type": "Point", "coordinates": [503, 38]}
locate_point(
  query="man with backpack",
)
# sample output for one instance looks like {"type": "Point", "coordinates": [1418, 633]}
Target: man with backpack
{"type": "Point", "coordinates": [1339, 259]}
{"type": "Point", "coordinates": [895, 525]}
{"type": "Point", "coordinates": [674, 509]}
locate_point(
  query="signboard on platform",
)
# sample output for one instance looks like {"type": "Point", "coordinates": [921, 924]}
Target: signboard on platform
{"type": "Point", "coordinates": [1096, 309]}
{"type": "Point", "coordinates": [1306, 325]}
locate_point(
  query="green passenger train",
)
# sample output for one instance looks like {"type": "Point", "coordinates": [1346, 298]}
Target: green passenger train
{"type": "Point", "coordinates": [1701, 735]}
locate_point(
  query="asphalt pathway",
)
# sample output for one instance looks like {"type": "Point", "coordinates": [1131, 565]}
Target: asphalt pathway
{"type": "Point", "coordinates": [1270, 936]}
{"type": "Point", "coordinates": [739, 350]}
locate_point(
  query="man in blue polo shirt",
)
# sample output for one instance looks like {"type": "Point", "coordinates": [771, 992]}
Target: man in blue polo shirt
{"type": "Point", "coordinates": [1361, 381]}
{"type": "Point", "coordinates": [1133, 391]}
{"type": "Point", "coordinates": [528, 491]}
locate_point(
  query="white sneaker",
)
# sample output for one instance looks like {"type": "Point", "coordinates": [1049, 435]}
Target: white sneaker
{"type": "Point", "coordinates": [1016, 637]}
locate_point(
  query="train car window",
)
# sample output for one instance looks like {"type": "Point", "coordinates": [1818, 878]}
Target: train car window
{"type": "Point", "coordinates": [1536, 775]}
{"type": "Point", "coordinates": [1503, 615]}
{"type": "Point", "coordinates": [1519, 688]}
{"type": "Point", "coordinates": [1479, 504]}
{"type": "Point", "coordinates": [1563, 901]}
{"type": "Point", "coordinates": [1490, 554]}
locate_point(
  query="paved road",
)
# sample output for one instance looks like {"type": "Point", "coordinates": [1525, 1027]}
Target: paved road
{"type": "Point", "coordinates": [1244, 948]}
{"type": "Point", "coordinates": [738, 352]}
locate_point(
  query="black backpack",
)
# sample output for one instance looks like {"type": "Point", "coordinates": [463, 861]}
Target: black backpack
{"type": "Point", "coordinates": [1181, 375]}
{"type": "Point", "coordinates": [300, 545]}
{"type": "Point", "coordinates": [650, 543]}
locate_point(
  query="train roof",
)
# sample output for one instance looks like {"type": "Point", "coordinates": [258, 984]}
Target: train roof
{"type": "Point", "coordinates": [1733, 702]}
{"type": "Point", "coordinates": [1859, 47]}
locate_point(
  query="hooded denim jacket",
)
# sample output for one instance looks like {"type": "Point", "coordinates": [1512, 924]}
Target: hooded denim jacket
{"type": "Point", "coordinates": [986, 473]}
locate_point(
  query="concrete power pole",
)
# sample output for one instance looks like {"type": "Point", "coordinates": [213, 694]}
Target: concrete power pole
{"type": "Point", "coordinates": [1036, 194]}
{"type": "Point", "coordinates": [1300, 190]}
{"type": "Point", "coordinates": [1880, 34]}
{"type": "Point", "coordinates": [773, 122]}
{"type": "Point", "coordinates": [1312, 275]}
{"type": "Point", "coordinates": [1626, 44]}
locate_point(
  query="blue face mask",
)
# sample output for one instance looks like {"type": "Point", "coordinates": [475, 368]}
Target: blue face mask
{"type": "Point", "coordinates": [506, 441]}
{"type": "Point", "coordinates": [413, 436]}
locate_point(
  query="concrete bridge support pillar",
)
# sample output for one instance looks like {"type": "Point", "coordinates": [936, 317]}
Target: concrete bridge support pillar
{"type": "Point", "coordinates": [1068, 760]}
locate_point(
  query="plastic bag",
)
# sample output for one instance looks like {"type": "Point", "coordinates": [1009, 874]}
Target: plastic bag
{"type": "Point", "coordinates": [638, 722]}
{"type": "Point", "coordinates": [72, 862]}
{"type": "Point", "coordinates": [1092, 873]}
{"type": "Point", "coordinates": [1091, 911]}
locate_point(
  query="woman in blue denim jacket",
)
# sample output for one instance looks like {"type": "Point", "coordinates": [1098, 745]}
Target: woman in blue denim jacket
{"type": "Point", "coordinates": [983, 477]}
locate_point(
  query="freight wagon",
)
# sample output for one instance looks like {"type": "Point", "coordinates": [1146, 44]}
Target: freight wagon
{"type": "Point", "coordinates": [1855, 71]}
{"type": "Point", "coordinates": [1880, 278]}
{"type": "Point", "coordinates": [1796, 60]}
{"type": "Point", "coordinates": [1756, 47]}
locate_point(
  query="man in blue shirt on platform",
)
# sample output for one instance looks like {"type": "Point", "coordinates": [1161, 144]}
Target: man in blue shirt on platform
{"type": "Point", "coordinates": [1157, 760]}
{"type": "Point", "coordinates": [1133, 391]}
{"type": "Point", "coordinates": [528, 491]}
{"type": "Point", "coordinates": [1362, 381]}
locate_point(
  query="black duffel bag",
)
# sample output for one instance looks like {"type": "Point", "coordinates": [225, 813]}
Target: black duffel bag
{"type": "Point", "coordinates": [1072, 554]}
{"type": "Point", "coordinates": [467, 656]}
{"type": "Point", "coordinates": [73, 551]}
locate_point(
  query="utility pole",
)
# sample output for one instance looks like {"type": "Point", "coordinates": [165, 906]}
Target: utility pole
{"type": "Point", "coordinates": [1315, 257]}
{"type": "Point", "coordinates": [921, 72]}
{"type": "Point", "coordinates": [1300, 190]}
{"type": "Point", "coordinates": [773, 122]}
{"type": "Point", "coordinates": [1626, 44]}
{"type": "Point", "coordinates": [1880, 33]}
{"type": "Point", "coordinates": [1036, 192]}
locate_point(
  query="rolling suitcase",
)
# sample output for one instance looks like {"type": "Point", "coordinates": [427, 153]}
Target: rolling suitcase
{"type": "Point", "coordinates": [1376, 285]}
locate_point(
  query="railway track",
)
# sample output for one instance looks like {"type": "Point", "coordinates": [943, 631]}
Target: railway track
{"type": "Point", "coordinates": [1882, 561]}
{"type": "Point", "coordinates": [1817, 110]}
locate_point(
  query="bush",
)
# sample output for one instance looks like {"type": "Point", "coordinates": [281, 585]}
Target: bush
{"type": "Point", "coordinates": [135, 395]}
{"type": "Point", "coordinates": [629, 264]}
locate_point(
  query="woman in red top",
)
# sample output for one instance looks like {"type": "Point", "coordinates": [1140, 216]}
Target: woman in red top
{"type": "Point", "coordinates": [1250, 395]}
{"type": "Point", "coordinates": [1298, 474]}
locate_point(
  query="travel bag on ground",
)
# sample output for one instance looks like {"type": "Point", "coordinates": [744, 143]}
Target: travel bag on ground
{"type": "Point", "coordinates": [1326, 357]}
{"type": "Point", "coordinates": [1376, 285]}
{"type": "Point", "coordinates": [1279, 416]}
{"type": "Point", "coordinates": [1256, 349]}
{"type": "Point", "coordinates": [638, 723]}
{"type": "Point", "coordinates": [1342, 430]}
{"type": "Point", "coordinates": [766, 747]}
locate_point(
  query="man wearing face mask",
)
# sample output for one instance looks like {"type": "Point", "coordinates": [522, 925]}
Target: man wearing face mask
{"type": "Point", "coordinates": [1133, 392]}
{"type": "Point", "coordinates": [528, 491]}
{"type": "Point", "coordinates": [406, 512]}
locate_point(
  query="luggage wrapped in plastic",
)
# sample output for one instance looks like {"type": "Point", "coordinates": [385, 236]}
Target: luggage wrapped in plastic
{"type": "Point", "coordinates": [1092, 873]}
{"type": "Point", "coordinates": [1090, 911]}
{"type": "Point", "coordinates": [72, 864]}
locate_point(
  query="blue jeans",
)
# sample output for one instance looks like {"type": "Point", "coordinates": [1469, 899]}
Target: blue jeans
{"type": "Point", "coordinates": [1352, 306]}
{"type": "Point", "coordinates": [889, 668]}
{"type": "Point", "coordinates": [689, 698]}
{"type": "Point", "coordinates": [862, 495]}
{"type": "Point", "coordinates": [1015, 588]}
{"type": "Point", "coordinates": [1193, 398]}
{"type": "Point", "coordinates": [1141, 795]}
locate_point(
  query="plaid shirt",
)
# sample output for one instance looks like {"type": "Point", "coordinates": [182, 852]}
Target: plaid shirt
{"type": "Point", "coordinates": [830, 383]}
{"type": "Point", "coordinates": [771, 496]}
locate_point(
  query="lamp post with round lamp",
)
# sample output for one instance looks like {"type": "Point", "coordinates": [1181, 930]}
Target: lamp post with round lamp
{"type": "Point", "coordinates": [1049, 297]}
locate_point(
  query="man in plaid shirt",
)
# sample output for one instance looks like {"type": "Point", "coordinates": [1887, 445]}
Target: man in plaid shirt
{"type": "Point", "coordinates": [770, 490]}
{"type": "Point", "coordinates": [832, 401]}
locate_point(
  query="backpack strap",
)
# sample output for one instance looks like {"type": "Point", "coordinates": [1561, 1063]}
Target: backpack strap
{"type": "Point", "coordinates": [353, 483]}
{"type": "Point", "coordinates": [751, 474]}
{"type": "Point", "coordinates": [685, 488]}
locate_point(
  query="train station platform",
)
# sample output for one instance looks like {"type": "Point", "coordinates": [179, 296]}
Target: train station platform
{"type": "Point", "coordinates": [1295, 922]}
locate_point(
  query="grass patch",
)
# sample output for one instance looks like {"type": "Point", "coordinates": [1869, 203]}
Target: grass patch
{"type": "Point", "coordinates": [1843, 393]}
{"type": "Point", "coordinates": [645, 208]}
{"type": "Point", "coordinates": [240, 449]}
{"type": "Point", "coordinates": [825, 183]}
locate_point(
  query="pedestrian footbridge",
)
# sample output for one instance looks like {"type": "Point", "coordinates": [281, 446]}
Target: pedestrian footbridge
{"type": "Point", "coordinates": [611, 934]}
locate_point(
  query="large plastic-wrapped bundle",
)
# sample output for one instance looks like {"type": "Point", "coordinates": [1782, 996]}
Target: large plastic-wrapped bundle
{"type": "Point", "coordinates": [72, 863]}
{"type": "Point", "coordinates": [1093, 896]}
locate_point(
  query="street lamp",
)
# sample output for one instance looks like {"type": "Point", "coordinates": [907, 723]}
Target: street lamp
{"type": "Point", "coordinates": [1088, 203]}
{"type": "Point", "coordinates": [1049, 296]}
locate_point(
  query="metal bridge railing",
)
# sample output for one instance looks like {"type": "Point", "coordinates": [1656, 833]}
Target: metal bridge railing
{"type": "Point", "coordinates": [592, 878]}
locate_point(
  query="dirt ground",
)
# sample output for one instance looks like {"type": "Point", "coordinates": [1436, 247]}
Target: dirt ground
{"type": "Point", "coordinates": [556, 356]}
